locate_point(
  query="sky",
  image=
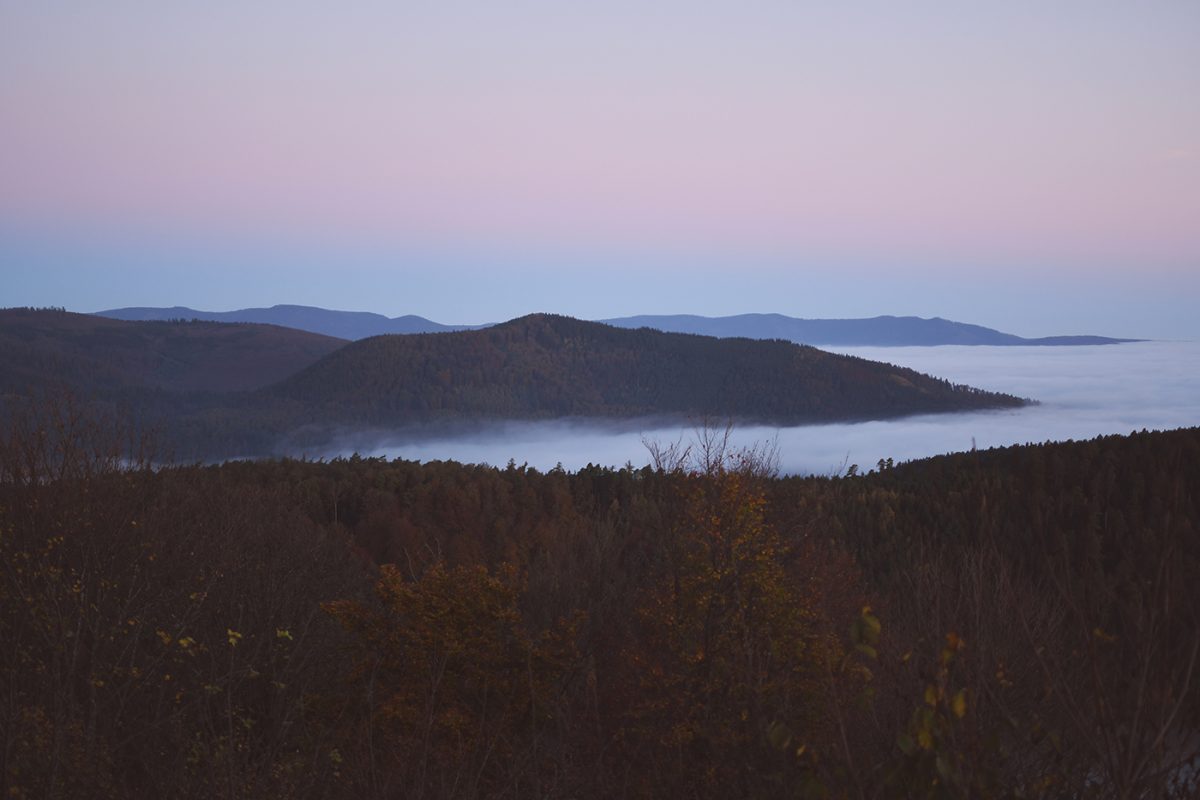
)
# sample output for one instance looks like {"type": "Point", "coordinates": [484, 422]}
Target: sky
{"type": "Point", "coordinates": [1030, 166]}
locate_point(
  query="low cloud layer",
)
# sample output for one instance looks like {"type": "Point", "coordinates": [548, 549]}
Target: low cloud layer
{"type": "Point", "coordinates": [1083, 392]}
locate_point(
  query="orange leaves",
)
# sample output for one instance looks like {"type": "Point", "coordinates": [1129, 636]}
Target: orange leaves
{"type": "Point", "coordinates": [729, 653]}
{"type": "Point", "coordinates": [455, 676]}
{"type": "Point", "coordinates": [959, 704]}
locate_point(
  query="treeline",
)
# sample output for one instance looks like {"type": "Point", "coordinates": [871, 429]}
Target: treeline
{"type": "Point", "coordinates": [1013, 623]}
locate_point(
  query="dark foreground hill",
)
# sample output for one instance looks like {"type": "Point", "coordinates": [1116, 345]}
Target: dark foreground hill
{"type": "Point", "coordinates": [107, 357]}
{"type": "Point", "coordinates": [544, 366]}
{"type": "Point", "coordinates": [886, 331]}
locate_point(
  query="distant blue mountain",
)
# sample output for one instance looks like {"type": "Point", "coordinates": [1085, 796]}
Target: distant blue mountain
{"type": "Point", "coordinates": [342, 324]}
{"type": "Point", "coordinates": [875, 331]}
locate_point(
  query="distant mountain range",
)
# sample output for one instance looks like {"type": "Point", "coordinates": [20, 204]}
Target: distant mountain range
{"type": "Point", "coordinates": [341, 324]}
{"type": "Point", "coordinates": [876, 331]}
{"type": "Point", "coordinates": [222, 389]}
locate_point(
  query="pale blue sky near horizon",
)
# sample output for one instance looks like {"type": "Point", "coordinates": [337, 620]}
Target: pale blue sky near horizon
{"type": "Point", "coordinates": [450, 291]}
{"type": "Point", "coordinates": [1027, 166]}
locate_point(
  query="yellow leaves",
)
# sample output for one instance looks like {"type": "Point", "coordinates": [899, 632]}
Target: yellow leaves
{"type": "Point", "coordinates": [351, 614]}
{"type": "Point", "coordinates": [233, 636]}
{"type": "Point", "coordinates": [1002, 676]}
{"type": "Point", "coordinates": [864, 633]}
{"type": "Point", "coordinates": [932, 730]}
{"type": "Point", "coordinates": [186, 643]}
{"type": "Point", "coordinates": [954, 643]}
{"type": "Point", "coordinates": [780, 736]}
{"type": "Point", "coordinates": [958, 705]}
{"type": "Point", "coordinates": [283, 633]}
{"type": "Point", "coordinates": [867, 651]}
{"type": "Point", "coordinates": [490, 672]}
{"type": "Point", "coordinates": [871, 625]}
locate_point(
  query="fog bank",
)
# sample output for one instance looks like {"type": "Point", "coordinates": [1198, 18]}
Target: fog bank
{"type": "Point", "coordinates": [1083, 392]}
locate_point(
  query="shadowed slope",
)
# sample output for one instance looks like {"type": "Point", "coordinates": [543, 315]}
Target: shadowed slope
{"type": "Point", "coordinates": [544, 366]}
{"type": "Point", "coordinates": [94, 355]}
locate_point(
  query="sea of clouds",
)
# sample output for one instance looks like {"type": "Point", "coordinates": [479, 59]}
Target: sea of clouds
{"type": "Point", "coordinates": [1082, 392]}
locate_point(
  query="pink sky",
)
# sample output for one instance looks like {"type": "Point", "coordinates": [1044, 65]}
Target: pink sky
{"type": "Point", "coordinates": [928, 136]}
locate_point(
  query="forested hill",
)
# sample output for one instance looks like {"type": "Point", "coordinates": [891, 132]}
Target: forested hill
{"type": "Point", "coordinates": [217, 390]}
{"type": "Point", "coordinates": [544, 366]}
{"type": "Point", "coordinates": [107, 358]}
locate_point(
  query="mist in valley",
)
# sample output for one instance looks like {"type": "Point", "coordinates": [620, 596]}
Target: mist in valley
{"type": "Point", "coordinates": [1081, 392]}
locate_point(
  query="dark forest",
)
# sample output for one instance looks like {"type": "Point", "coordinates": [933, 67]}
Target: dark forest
{"type": "Point", "coordinates": [1009, 623]}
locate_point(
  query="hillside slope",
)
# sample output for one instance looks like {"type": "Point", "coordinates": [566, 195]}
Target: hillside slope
{"type": "Point", "coordinates": [544, 366]}
{"type": "Point", "coordinates": [98, 356]}
{"type": "Point", "coordinates": [216, 390]}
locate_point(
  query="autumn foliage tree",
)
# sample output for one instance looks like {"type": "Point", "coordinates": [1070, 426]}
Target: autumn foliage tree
{"type": "Point", "coordinates": [458, 696]}
{"type": "Point", "coordinates": [731, 653]}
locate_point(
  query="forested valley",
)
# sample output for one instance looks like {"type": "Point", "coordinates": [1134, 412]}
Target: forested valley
{"type": "Point", "coordinates": [1006, 623]}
